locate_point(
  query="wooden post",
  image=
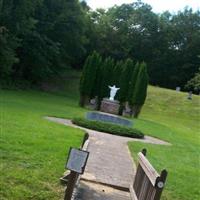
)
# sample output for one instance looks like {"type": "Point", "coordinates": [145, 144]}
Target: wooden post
{"type": "Point", "coordinates": [70, 185]}
{"type": "Point", "coordinates": [76, 163]}
{"type": "Point", "coordinates": [144, 152]}
{"type": "Point", "coordinates": [160, 183]}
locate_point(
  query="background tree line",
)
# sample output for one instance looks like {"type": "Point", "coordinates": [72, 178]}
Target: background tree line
{"type": "Point", "coordinates": [41, 38]}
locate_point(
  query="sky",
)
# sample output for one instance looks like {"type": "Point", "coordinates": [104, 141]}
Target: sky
{"type": "Point", "coordinates": [157, 5]}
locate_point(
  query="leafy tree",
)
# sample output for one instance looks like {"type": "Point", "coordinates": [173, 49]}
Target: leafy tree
{"type": "Point", "coordinates": [16, 18]}
{"type": "Point", "coordinates": [7, 55]}
{"type": "Point", "coordinates": [176, 53]}
{"type": "Point", "coordinates": [194, 83]}
{"type": "Point", "coordinates": [38, 58]}
{"type": "Point", "coordinates": [45, 36]}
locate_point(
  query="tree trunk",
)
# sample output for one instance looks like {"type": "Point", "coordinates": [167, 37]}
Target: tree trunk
{"type": "Point", "coordinates": [136, 109]}
{"type": "Point", "coordinates": [121, 108]}
{"type": "Point", "coordinates": [83, 100]}
{"type": "Point", "coordinates": [98, 103]}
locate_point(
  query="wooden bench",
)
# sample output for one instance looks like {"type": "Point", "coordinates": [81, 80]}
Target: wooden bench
{"type": "Point", "coordinates": [148, 184]}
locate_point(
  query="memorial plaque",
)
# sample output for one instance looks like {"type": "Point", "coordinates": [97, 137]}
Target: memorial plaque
{"type": "Point", "coordinates": [104, 117]}
{"type": "Point", "coordinates": [77, 160]}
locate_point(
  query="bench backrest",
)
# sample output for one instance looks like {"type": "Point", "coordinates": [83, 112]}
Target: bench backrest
{"type": "Point", "coordinates": [148, 184]}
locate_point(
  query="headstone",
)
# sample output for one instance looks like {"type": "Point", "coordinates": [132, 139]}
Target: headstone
{"type": "Point", "coordinates": [127, 110]}
{"type": "Point", "coordinates": [178, 89]}
{"type": "Point", "coordinates": [92, 104]}
{"type": "Point", "coordinates": [190, 95]}
{"type": "Point", "coordinates": [93, 101]}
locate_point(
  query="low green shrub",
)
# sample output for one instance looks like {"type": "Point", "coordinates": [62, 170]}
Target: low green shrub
{"type": "Point", "coordinates": [108, 128]}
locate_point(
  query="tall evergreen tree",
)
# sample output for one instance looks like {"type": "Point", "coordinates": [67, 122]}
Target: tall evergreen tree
{"type": "Point", "coordinates": [117, 72]}
{"type": "Point", "coordinates": [125, 80]}
{"type": "Point", "coordinates": [140, 90]}
{"type": "Point", "coordinates": [88, 78]}
{"type": "Point", "coordinates": [133, 80]}
{"type": "Point", "coordinates": [107, 76]}
{"type": "Point", "coordinates": [98, 77]}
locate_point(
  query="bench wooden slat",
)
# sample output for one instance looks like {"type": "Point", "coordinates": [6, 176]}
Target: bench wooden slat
{"type": "Point", "coordinates": [137, 183]}
{"type": "Point", "coordinates": [148, 169]}
{"type": "Point", "coordinates": [143, 188]}
{"type": "Point", "coordinates": [150, 192]}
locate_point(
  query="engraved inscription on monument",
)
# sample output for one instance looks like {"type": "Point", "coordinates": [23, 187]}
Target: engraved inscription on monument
{"type": "Point", "coordinates": [77, 160]}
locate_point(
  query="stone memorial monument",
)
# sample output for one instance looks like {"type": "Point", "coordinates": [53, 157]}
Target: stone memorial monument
{"type": "Point", "coordinates": [110, 105]}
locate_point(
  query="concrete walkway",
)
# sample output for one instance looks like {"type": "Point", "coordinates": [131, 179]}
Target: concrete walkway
{"type": "Point", "coordinates": [94, 191]}
{"type": "Point", "coordinates": [109, 163]}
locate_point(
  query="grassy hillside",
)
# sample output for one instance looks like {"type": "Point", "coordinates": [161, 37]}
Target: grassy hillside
{"type": "Point", "coordinates": [33, 150]}
{"type": "Point", "coordinates": [172, 117]}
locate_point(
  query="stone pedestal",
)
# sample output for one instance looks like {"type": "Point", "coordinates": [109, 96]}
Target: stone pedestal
{"type": "Point", "coordinates": [110, 106]}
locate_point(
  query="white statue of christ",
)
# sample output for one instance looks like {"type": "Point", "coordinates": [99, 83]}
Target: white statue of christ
{"type": "Point", "coordinates": [113, 91]}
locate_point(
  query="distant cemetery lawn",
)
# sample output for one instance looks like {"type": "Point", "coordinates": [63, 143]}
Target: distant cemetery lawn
{"type": "Point", "coordinates": [33, 150]}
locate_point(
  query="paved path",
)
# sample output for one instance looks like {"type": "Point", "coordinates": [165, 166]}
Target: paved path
{"type": "Point", "coordinates": [109, 161]}
{"type": "Point", "coordinates": [93, 191]}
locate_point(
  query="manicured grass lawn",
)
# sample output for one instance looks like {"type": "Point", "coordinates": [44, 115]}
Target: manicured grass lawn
{"type": "Point", "coordinates": [33, 150]}
{"type": "Point", "coordinates": [170, 116]}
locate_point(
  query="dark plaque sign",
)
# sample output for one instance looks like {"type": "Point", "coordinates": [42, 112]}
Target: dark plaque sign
{"type": "Point", "coordinates": [77, 160]}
